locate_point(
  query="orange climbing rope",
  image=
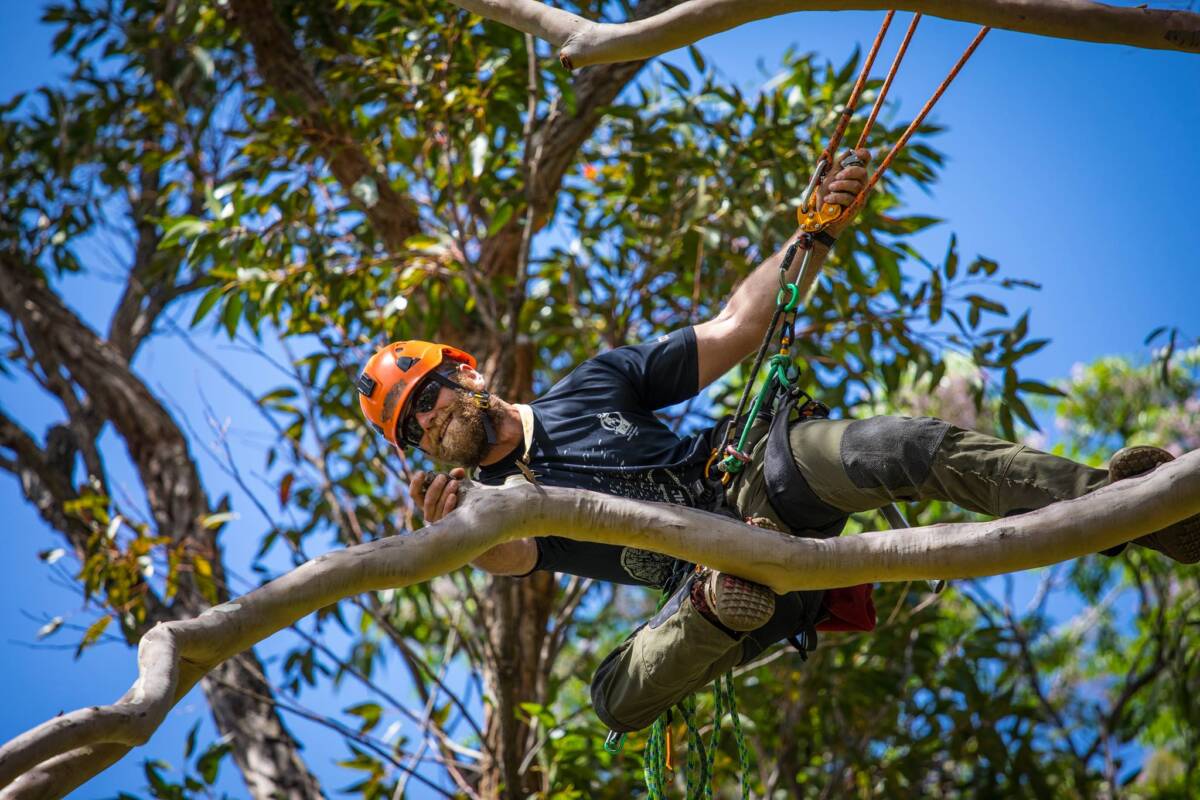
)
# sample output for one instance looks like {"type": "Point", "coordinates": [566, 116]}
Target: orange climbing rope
{"type": "Point", "coordinates": [887, 81]}
{"type": "Point", "coordinates": [916, 123]}
{"type": "Point", "coordinates": [814, 219]}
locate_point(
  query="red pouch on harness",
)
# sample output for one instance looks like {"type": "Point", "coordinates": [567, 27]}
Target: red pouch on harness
{"type": "Point", "coordinates": [850, 609]}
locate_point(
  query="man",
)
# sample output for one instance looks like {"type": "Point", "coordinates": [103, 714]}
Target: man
{"type": "Point", "coordinates": [596, 429]}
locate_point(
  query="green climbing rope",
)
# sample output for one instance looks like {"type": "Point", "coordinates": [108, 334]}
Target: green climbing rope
{"type": "Point", "coordinates": [701, 757]}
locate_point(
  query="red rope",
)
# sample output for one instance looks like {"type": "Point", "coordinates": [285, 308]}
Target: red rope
{"type": "Point", "coordinates": [916, 123]}
{"type": "Point", "coordinates": [887, 82]}
{"type": "Point", "coordinates": [852, 103]}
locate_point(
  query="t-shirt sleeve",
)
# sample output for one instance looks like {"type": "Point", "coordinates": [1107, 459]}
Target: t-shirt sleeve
{"type": "Point", "coordinates": [659, 373]}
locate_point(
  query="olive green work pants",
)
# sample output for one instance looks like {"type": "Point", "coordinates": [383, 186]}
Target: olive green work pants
{"type": "Point", "coordinates": [850, 466]}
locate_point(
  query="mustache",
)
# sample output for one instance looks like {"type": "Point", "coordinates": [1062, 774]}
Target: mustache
{"type": "Point", "coordinates": [437, 425]}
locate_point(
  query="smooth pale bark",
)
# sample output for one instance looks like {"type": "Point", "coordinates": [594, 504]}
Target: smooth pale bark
{"type": "Point", "coordinates": [582, 42]}
{"type": "Point", "coordinates": [175, 655]}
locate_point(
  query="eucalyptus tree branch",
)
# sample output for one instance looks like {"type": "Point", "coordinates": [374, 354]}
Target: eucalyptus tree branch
{"type": "Point", "coordinates": [582, 42]}
{"type": "Point", "coordinates": [174, 656]}
{"type": "Point", "coordinates": [46, 484]}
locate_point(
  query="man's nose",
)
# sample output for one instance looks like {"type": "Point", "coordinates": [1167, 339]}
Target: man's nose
{"type": "Point", "coordinates": [424, 418]}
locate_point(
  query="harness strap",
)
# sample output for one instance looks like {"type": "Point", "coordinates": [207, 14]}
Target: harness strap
{"type": "Point", "coordinates": [788, 493]}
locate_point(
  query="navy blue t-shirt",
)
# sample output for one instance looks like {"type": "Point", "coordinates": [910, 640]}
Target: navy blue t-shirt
{"type": "Point", "coordinates": [596, 429]}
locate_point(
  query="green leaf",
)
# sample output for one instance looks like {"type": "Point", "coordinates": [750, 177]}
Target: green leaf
{"type": "Point", "coordinates": [951, 265]}
{"type": "Point", "coordinates": [369, 713]}
{"type": "Point", "coordinates": [183, 228]}
{"type": "Point", "coordinates": [503, 215]}
{"type": "Point", "coordinates": [209, 764]}
{"type": "Point", "coordinates": [209, 299]}
{"type": "Point", "coordinates": [1037, 387]}
{"type": "Point", "coordinates": [213, 521]}
{"type": "Point", "coordinates": [1022, 411]}
{"type": "Point", "coordinates": [679, 76]}
{"type": "Point", "coordinates": [232, 314]}
{"type": "Point", "coordinates": [935, 299]}
{"type": "Point", "coordinates": [1029, 348]}
{"type": "Point", "coordinates": [190, 745]}
{"type": "Point", "coordinates": [94, 632]}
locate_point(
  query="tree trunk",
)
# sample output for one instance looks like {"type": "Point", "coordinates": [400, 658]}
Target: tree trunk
{"type": "Point", "coordinates": [517, 613]}
{"type": "Point", "coordinates": [264, 749]}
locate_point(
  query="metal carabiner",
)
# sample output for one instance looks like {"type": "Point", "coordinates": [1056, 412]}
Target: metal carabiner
{"type": "Point", "coordinates": [813, 220]}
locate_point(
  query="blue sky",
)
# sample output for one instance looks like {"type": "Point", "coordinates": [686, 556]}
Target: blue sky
{"type": "Point", "coordinates": [1071, 164]}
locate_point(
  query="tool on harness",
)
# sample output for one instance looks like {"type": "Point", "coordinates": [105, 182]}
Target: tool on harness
{"type": "Point", "coordinates": [614, 742]}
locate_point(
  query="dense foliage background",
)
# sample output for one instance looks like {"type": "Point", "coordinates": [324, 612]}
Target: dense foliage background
{"type": "Point", "coordinates": [310, 180]}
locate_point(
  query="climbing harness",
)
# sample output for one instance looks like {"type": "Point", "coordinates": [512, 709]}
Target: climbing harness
{"type": "Point", "coordinates": [780, 395]}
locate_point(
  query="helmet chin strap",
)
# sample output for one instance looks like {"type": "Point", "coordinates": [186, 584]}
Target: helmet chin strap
{"type": "Point", "coordinates": [484, 401]}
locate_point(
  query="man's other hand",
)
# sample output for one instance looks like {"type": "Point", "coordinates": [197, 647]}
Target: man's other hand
{"type": "Point", "coordinates": [436, 493]}
{"type": "Point", "coordinates": [842, 185]}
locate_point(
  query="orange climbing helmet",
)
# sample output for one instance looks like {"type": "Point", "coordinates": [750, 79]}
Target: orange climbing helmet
{"type": "Point", "coordinates": [391, 378]}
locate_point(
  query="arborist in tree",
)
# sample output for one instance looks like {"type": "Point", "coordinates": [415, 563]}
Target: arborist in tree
{"type": "Point", "coordinates": [802, 473]}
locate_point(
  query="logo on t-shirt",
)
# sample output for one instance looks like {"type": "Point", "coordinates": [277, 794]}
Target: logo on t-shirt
{"type": "Point", "coordinates": [615, 422]}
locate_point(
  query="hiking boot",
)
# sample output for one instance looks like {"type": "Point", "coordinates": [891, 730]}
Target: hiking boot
{"type": "Point", "coordinates": [1180, 541]}
{"type": "Point", "coordinates": [733, 603]}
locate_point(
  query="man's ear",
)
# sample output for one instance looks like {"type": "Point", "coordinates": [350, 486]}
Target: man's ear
{"type": "Point", "coordinates": [474, 379]}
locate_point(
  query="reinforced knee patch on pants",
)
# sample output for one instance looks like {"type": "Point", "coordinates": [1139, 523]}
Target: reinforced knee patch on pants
{"type": "Point", "coordinates": [678, 653]}
{"type": "Point", "coordinates": [894, 453]}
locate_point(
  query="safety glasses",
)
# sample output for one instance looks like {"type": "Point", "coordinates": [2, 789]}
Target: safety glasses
{"type": "Point", "coordinates": [424, 400]}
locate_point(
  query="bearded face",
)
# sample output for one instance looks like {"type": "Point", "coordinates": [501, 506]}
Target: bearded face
{"type": "Point", "coordinates": [456, 434]}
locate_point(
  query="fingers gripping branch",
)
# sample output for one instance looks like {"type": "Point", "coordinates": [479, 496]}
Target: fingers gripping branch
{"type": "Point", "coordinates": [175, 655]}
{"type": "Point", "coordinates": [583, 43]}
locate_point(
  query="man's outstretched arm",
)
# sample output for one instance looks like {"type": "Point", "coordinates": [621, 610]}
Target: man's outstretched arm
{"type": "Point", "coordinates": [726, 339]}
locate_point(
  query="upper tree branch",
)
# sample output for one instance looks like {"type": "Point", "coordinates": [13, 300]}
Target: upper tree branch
{"type": "Point", "coordinates": [283, 70]}
{"type": "Point", "coordinates": [46, 484]}
{"type": "Point", "coordinates": [174, 656]}
{"type": "Point", "coordinates": [582, 42]}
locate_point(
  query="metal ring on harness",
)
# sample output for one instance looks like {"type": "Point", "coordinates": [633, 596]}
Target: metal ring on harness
{"type": "Point", "coordinates": [793, 301]}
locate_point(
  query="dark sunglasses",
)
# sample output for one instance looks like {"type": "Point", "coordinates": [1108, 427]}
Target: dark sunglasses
{"type": "Point", "coordinates": [424, 400]}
